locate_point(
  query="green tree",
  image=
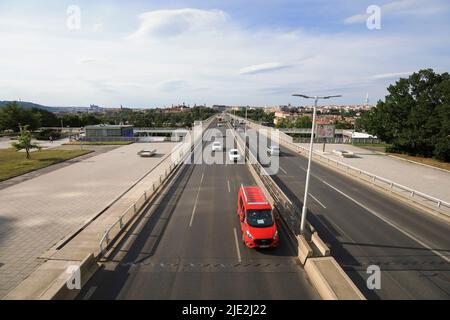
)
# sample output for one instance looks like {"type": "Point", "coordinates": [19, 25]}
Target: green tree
{"type": "Point", "coordinates": [303, 122]}
{"type": "Point", "coordinates": [415, 116]}
{"type": "Point", "coordinates": [48, 119]}
{"type": "Point", "coordinates": [24, 142]}
{"type": "Point", "coordinates": [13, 115]}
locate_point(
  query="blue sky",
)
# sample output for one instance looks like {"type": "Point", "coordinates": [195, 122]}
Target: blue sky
{"type": "Point", "coordinates": [155, 53]}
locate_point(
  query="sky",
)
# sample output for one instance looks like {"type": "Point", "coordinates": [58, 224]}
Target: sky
{"type": "Point", "coordinates": [157, 53]}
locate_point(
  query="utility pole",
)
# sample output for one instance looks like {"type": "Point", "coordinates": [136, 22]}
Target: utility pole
{"type": "Point", "coordinates": [311, 146]}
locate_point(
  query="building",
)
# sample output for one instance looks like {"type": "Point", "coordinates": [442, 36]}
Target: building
{"type": "Point", "coordinates": [104, 132]}
{"type": "Point", "coordinates": [351, 136]}
{"type": "Point", "coordinates": [219, 108]}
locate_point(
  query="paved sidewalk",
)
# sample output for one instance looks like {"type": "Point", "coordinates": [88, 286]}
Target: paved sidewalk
{"type": "Point", "coordinates": [5, 143]}
{"type": "Point", "coordinates": [38, 213]}
{"type": "Point", "coordinates": [425, 179]}
{"type": "Point", "coordinates": [97, 150]}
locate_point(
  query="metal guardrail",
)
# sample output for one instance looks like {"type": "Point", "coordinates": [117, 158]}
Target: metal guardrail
{"type": "Point", "coordinates": [183, 151]}
{"type": "Point", "coordinates": [387, 184]}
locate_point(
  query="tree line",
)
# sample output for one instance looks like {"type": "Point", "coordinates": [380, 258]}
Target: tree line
{"type": "Point", "coordinates": [415, 116]}
{"type": "Point", "coordinates": [12, 116]}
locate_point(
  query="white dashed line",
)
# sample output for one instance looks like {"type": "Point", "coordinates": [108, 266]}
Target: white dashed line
{"type": "Point", "coordinates": [406, 233]}
{"type": "Point", "coordinates": [196, 199]}
{"type": "Point", "coordinates": [317, 200]}
{"type": "Point", "coordinates": [237, 245]}
{"type": "Point", "coordinates": [89, 294]}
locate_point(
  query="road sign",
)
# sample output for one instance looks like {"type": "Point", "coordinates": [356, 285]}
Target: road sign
{"type": "Point", "coordinates": [325, 131]}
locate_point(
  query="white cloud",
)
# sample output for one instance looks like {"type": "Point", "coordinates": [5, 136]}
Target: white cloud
{"type": "Point", "coordinates": [393, 75]}
{"type": "Point", "coordinates": [172, 23]}
{"type": "Point", "coordinates": [97, 27]}
{"type": "Point", "coordinates": [203, 61]}
{"type": "Point", "coordinates": [172, 85]}
{"type": "Point", "coordinates": [86, 60]}
{"type": "Point", "coordinates": [403, 7]}
{"type": "Point", "coordinates": [265, 67]}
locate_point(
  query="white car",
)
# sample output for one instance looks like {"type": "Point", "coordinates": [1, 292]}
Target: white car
{"type": "Point", "coordinates": [147, 153]}
{"type": "Point", "coordinates": [273, 150]}
{"type": "Point", "coordinates": [344, 153]}
{"type": "Point", "coordinates": [234, 155]}
{"type": "Point", "coordinates": [216, 146]}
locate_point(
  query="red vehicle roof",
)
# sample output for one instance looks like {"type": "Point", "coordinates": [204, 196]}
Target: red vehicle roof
{"type": "Point", "coordinates": [254, 195]}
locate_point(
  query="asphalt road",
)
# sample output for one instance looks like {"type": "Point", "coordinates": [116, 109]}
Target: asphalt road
{"type": "Point", "coordinates": [188, 246]}
{"type": "Point", "coordinates": [364, 227]}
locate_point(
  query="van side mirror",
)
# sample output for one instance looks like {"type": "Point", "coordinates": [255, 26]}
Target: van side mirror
{"type": "Point", "coordinates": [241, 217]}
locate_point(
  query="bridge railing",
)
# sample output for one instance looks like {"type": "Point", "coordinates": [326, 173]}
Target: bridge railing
{"type": "Point", "coordinates": [394, 187]}
{"type": "Point", "coordinates": [178, 155]}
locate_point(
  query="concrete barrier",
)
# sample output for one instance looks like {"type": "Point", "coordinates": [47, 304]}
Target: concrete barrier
{"type": "Point", "coordinates": [49, 281]}
{"type": "Point", "coordinates": [304, 249]}
{"type": "Point", "coordinates": [330, 281]}
{"type": "Point", "coordinates": [320, 245]}
{"type": "Point", "coordinates": [59, 289]}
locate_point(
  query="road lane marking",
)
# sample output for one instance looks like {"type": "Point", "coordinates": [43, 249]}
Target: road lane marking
{"type": "Point", "coordinates": [392, 224]}
{"type": "Point", "coordinates": [285, 172]}
{"type": "Point", "coordinates": [196, 199]}
{"type": "Point", "coordinates": [89, 294]}
{"type": "Point", "coordinates": [317, 200]}
{"type": "Point", "coordinates": [237, 245]}
{"type": "Point", "coordinates": [228, 182]}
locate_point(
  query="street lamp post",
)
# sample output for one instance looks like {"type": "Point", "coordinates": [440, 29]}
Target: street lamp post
{"type": "Point", "coordinates": [311, 145]}
{"type": "Point", "coordinates": [246, 119]}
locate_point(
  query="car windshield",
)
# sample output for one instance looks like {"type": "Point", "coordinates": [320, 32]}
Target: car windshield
{"type": "Point", "coordinates": [233, 152]}
{"type": "Point", "coordinates": [259, 218]}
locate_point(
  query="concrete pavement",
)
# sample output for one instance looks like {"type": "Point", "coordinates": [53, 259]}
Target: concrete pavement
{"type": "Point", "coordinates": [5, 143]}
{"type": "Point", "coordinates": [38, 213]}
{"type": "Point", "coordinates": [433, 182]}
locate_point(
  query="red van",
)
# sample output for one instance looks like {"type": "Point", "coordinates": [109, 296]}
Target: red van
{"type": "Point", "coordinates": [258, 223]}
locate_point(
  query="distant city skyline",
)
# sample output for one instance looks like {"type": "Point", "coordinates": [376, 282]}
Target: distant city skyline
{"type": "Point", "coordinates": [145, 54]}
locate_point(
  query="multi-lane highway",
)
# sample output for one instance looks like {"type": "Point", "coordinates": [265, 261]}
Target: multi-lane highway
{"type": "Point", "coordinates": [364, 227]}
{"type": "Point", "coordinates": [187, 245]}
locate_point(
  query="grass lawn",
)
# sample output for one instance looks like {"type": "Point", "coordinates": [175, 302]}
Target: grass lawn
{"type": "Point", "coordinates": [13, 163]}
{"type": "Point", "coordinates": [100, 143]}
{"type": "Point", "coordinates": [379, 147]}
{"type": "Point", "coordinates": [428, 161]}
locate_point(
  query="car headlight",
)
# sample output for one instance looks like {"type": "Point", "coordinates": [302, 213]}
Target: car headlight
{"type": "Point", "coordinates": [275, 236]}
{"type": "Point", "coordinates": [249, 235]}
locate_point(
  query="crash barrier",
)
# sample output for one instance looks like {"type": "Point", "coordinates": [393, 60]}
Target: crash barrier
{"type": "Point", "coordinates": [408, 194]}
{"type": "Point", "coordinates": [59, 290]}
{"type": "Point", "coordinates": [329, 279]}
